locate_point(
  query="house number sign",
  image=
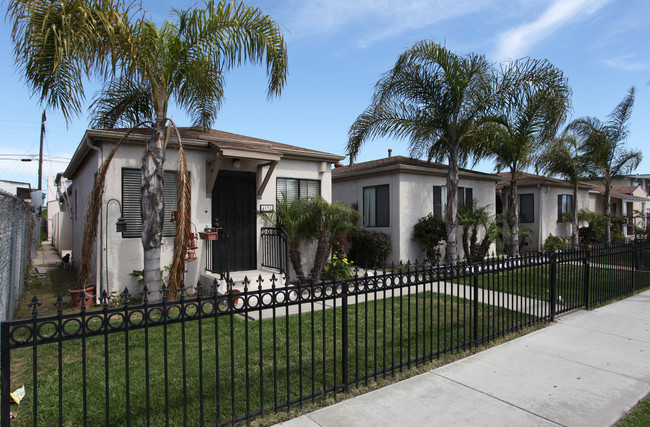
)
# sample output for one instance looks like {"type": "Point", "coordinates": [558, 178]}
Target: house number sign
{"type": "Point", "coordinates": [266, 208]}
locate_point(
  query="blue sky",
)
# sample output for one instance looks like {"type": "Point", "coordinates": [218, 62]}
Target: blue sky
{"type": "Point", "coordinates": [339, 48]}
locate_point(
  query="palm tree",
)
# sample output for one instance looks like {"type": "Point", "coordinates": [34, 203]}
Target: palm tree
{"type": "Point", "coordinates": [328, 221]}
{"type": "Point", "coordinates": [536, 100]}
{"type": "Point", "coordinates": [438, 101]}
{"type": "Point", "coordinates": [563, 157]}
{"type": "Point", "coordinates": [605, 150]}
{"type": "Point", "coordinates": [294, 217]}
{"type": "Point", "coordinates": [59, 43]}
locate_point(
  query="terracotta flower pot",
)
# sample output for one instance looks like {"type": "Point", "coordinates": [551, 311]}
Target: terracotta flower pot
{"type": "Point", "coordinates": [76, 296]}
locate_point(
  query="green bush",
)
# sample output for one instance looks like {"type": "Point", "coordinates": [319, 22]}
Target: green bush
{"type": "Point", "coordinates": [431, 232]}
{"type": "Point", "coordinates": [369, 248]}
{"type": "Point", "coordinates": [555, 243]}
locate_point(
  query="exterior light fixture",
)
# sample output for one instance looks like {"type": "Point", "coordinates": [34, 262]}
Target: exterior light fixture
{"type": "Point", "coordinates": [120, 225]}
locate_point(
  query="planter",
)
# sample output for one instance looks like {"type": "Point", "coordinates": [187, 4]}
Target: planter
{"type": "Point", "coordinates": [76, 295]}
{"type": "Point", "coordinates": [208, 235]}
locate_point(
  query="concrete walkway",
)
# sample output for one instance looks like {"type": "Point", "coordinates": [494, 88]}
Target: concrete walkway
{"type": "Point", "coordinates": [586, 369]}
{"type": "Point", "coordinates": [46, 258]}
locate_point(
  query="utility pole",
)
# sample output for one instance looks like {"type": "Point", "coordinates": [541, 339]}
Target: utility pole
{"type": "Point", "coordinates": [40, 154]}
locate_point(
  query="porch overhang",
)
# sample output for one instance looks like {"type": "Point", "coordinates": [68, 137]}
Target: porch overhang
{"type": "Point", "coordinates": [263, 154]}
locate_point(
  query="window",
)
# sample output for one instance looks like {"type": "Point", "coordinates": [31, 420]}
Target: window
{"type": "Point", "coordinates": [376, 206]}
{"type": "Point", "coordinates": [612, 208]}
{"type": "Point", "coordinates": [293, 189]}
{"type": "Point", "coordinates": [564, 205]}
{"type": "Point", "coordinates": [526, 208]}
{"type": "Point", "coordinates": [465, 196]}
{"type": "Point", "coordinates": [132, 202]}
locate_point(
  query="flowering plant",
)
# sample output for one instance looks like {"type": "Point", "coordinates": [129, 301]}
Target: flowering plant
{"type": "Point", "coordinates": [339, 267]}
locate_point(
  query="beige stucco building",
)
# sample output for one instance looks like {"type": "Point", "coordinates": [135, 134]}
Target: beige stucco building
{"type": "Point", "coordinates": [543, 201]}
{"type": "Point", "coordinates": [393, 193]}
{"type": "Point", "coordinates": [233, 178]}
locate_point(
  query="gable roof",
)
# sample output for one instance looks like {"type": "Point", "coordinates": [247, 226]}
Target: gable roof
{"type": "Point", "coordinates": [402, 164]}
{"type": "Point", "coordinates": [529, 179]}
{"type": "Point", "coordinates": [626, 193]}
{"type": "Point", "coordinates": [195, 138]}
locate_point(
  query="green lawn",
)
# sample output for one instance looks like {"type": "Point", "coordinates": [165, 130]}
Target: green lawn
{"type": "Point", "coordinates": [639, 416]}
{"type": "Point", "coordinates": [300, 358]}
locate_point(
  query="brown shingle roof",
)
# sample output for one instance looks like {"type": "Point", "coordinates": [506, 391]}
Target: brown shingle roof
{"type": "Point", "coordinates": [619, 192]}
{"type": "Point", "coordinates": [526, 179]}
{"type": "Point", "coordinates": [395, 162]}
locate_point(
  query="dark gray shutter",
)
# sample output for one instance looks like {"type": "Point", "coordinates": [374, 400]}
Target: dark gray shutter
{"type": "Point", "coordinates": [559, 207]}
{"type": "Point", "coordinates": [461, 196]}
{"type": "Point", "coordinates": [437, 202]}
{"type": "Point", "coordinates": [131, 202]}
{"type": "Point", "coordinates": [170, 192]}
{"type": "Point", "coordinates": [469, 196]}
{"type": "Point", "coordinates": [383, 206]}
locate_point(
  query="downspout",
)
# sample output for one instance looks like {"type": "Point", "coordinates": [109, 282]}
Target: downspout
{"type": "Point", "coordinates": [99, 243]}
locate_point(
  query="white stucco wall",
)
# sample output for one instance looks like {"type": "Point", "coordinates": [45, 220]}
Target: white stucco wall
{"type": "Point", "coordinates": [120, 256]}
{"type": "Point", "coordinates": [411, 198]}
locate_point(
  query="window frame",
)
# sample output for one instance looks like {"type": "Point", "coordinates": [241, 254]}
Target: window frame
{"type": "Point", "coordinates": [532, 208]}
{"type": "Point", "coordinates": [375, 215]}
{"type": "Point", "coordinates": [564, 205]}
{"type": "Point", "coordinates": [299, 182]}
{"type": "Point", "coordinates": [465, 197]}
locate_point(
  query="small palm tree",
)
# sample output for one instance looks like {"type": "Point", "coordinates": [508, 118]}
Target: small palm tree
{"type": "Point", "coordinates": [563, 157]}
{"type": "Point", "coordinates": [59, 43]}
{"type": "Point", "coordinates": [605, 150]}
{"type": "Point", "coordinates": [327, 221]}
{"type": "Point", "coordinates": [295, 218]}
{"type": "Point", "coordinates": [536, 100]}
{"type": "Point", "coordinates": [436, 100]}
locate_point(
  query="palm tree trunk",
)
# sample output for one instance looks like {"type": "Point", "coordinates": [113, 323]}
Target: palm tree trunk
{"type": "Point", "coordinates": [153, 209]}
{"type": "Point", "coordinates": [451, 251]}
{"type": "Point", "coordinates": [513, 215]}
{"type": "Point", "coordinates": [322, 251]}
{"type": "Point", "coordinates": [575, 237]}
{"type": "Point", "coordinates": [296, 260]}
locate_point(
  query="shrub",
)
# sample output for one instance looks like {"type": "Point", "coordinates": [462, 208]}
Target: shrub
{"type": "Point", "coordinates": [369, 248]}
{"type": "Point", "coordinates": [339, 268]}
{"type": "Point", "coordinates": [555, 243]}
{"type": "Point", "coordinates": [431, 232]}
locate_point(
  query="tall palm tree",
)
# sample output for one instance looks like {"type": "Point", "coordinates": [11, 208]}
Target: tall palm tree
{"type": "Point", "coordinates": [535, 101]}
{"type": "Point", "coordinates": [605, 150]}
{"type": "Point", "coordinates": [563, 157]}
{"type": "Point", "coordinates": [57, 44]}
{"type": "Point", "coordinates": [436, 100]}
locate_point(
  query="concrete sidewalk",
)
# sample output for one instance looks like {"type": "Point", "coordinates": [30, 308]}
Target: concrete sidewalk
{"type": "Point", "coordinates": [587, 369]}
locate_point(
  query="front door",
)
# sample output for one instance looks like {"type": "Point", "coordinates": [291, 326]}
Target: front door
{"type": "Point", "coordinates": [234, 208]}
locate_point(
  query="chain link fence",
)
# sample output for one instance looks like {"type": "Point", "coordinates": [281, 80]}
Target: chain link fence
{"type": "Point", "coordinates": [19, 239]}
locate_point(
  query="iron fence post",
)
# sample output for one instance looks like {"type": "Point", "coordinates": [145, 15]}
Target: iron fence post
{"type": "Point", "coordinates": [475, 303]}
{"type": "Point", "coordinates": [5, 374]}
{"type": "Point", "coordinates": [586, 278]}
{"type": "Point", "coordinates": [344, 331]}
{"type": "Point", "coordinates": [634, 266]}
{"type": "Point", "coordinates": [553, 283]}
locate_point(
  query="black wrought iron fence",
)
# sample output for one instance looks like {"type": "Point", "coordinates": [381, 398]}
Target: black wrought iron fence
{"type": "Point", "coordinates": [221, 359]}
{"type": "Point", "coordinates": [274, 245]}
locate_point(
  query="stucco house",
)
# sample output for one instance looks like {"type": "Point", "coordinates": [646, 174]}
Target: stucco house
{"type": "Point", "coordinates": [543, 201]}
{"type": "Point", "coordinates": [233, 178]}
{"type": "Point", "coordinates": [631, 201]}
{"type": "Point", "coordinates": [393, 193]}
{"type": "Point", "coordinates": [59, 214]}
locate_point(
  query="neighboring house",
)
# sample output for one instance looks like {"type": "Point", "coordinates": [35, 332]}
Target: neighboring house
{"type": "Point", "coordinates": [59, 213]}
{"type": "Point", "coordinates": [22, 190]}
{"type": "Point", "coordinates": [631, 201]}
{"type": "Point", "coordinates": [233, 177]}
{"type": "Point", "coordinates": [393, 193]}
{"type": "Point", "coordinates": [543, 201]}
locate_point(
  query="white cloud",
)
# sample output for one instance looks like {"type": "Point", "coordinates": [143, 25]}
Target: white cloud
{"type": "Point", "coordinates": [374, 20]}
{"type": "Point", "coordinates": [627, 63]}
{"type": "Point", "coordinates": [515, 43]}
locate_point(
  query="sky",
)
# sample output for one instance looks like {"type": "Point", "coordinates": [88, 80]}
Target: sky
{"type": "Point", "coordinates": [338, 49]}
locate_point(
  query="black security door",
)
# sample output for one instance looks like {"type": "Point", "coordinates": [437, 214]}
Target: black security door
{"type": "Point", "coordinates": [233, 206]}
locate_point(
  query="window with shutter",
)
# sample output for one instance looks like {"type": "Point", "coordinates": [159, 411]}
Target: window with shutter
{"type": "Point", "coordinates": [296, 188]}
{"type": "Point", "coordinates": [132, 202]}
{"type": "Point", "coordinates": [526, 208]}
{"type": "Point", "coordinates": [564, 205]}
